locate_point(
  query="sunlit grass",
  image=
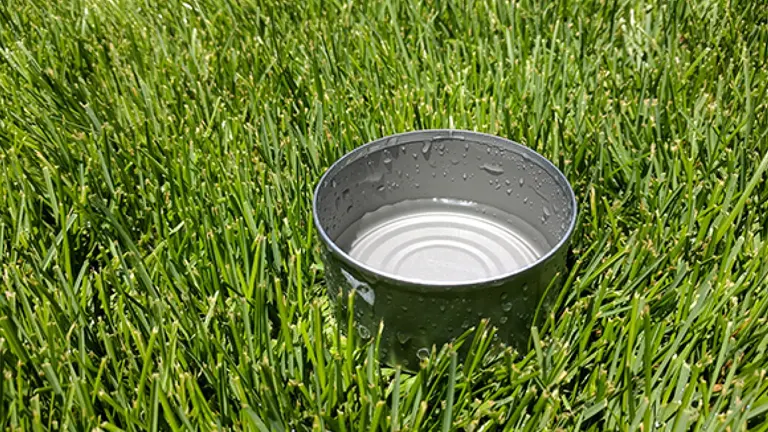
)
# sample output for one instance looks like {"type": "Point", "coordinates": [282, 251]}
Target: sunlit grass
{"type": "Point", "coordinates": [159, 265]}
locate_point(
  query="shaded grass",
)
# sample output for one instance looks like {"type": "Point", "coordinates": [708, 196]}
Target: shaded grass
{"type": "Point", "coordinates": [158, 256]}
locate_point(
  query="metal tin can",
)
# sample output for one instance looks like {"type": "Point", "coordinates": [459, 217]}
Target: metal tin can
{"type": "Point", "coordinates": [437, 229]}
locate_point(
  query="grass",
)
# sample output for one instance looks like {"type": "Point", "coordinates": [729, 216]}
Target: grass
{"type": "Point", "coordinates": [159, 266]}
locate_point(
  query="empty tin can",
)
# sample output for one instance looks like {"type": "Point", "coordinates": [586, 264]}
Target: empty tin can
{"type": "Point", "coordinates": [437, 229]}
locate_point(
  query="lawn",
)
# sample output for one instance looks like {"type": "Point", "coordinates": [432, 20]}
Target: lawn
{"type": "Point", "coordinates": [160, 269]}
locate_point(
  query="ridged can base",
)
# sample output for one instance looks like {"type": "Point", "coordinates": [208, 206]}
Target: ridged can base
{"type": "Point", "coordinates": [435, 230]}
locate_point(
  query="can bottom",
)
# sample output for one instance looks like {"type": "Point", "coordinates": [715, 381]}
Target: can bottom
{"type": "Point", "coordinates": [442, 240]}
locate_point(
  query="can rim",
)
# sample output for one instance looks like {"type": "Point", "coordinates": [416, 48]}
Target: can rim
{"type": "Point", "coordinates": [442, 285]}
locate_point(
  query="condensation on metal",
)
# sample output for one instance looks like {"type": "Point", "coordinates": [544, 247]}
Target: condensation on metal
{"type": "Point", "coordinates": [441, 228]}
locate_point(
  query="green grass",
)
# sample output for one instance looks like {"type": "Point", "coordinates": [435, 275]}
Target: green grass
{"type": "Point", "coordinates": [159, 266]}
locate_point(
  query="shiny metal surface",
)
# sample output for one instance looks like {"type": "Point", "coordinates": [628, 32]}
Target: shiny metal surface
{"type": "Point", "coordinates": [436, 229]}
{"type": "Point", "coordinates": [442, 240]}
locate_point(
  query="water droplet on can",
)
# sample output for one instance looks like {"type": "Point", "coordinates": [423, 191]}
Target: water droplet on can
{"type": "Point", "coordinates": [403, 338]}
{"type": "Point", "coordinates": [363, 331]}
{"type": "Point", "coordinates": [425, 148]}
{"type": "Point", "coordinates": [506, 306]}
{"type": "Point", "coordinates": [422, 353]}
{"type": "Point", "coordinates": [492, 169]}
{"type": "Point", "coordinates": [503, 320]}
{"type": "Point", "coordinates": [522, 181]}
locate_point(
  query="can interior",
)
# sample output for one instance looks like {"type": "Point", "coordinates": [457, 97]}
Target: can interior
{"type": "Point", "coordinates": [430, 191]}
